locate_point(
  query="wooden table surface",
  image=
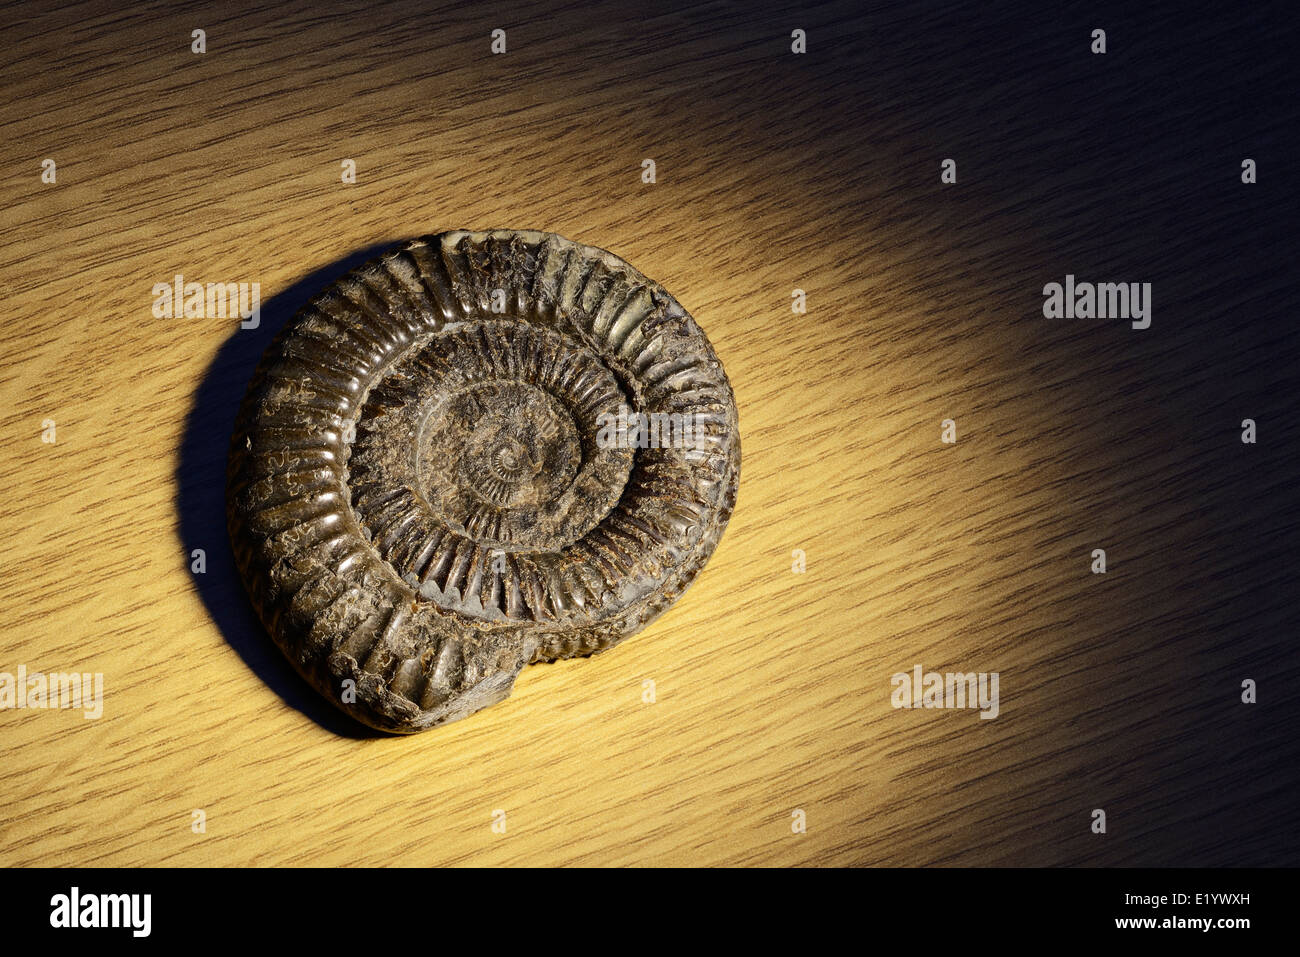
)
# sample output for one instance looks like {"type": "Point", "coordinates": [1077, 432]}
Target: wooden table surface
{"type": "Point", "coordinates": [774, 171]}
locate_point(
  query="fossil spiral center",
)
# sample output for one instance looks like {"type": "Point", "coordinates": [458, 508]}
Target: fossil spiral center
{"type": "Point", "coordinates": [486, 437]}
{"type": "Point", "coordinates": [510, 445]}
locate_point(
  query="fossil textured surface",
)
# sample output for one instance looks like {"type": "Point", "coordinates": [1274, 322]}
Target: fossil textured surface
{"type": "Point", "coordinates": [425, 491]}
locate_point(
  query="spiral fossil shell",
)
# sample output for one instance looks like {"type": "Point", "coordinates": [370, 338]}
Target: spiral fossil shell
{"type": "Point", "coordinates": [425, 493]}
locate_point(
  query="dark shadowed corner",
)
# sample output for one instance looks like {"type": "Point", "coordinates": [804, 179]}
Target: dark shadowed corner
{"type": "Point", "coordinates": [201, 497]}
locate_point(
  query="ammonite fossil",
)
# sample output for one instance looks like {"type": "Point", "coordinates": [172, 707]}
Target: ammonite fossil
{"type": "Point", "coordinates": [477, 451]}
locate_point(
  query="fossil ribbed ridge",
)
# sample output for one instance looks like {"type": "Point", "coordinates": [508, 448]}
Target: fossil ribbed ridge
{"type": "Point", "coordinates": [420, 500]}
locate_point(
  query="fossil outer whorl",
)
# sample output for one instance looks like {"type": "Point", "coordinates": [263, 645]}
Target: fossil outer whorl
{"type": "Point", "coordinates": [426, 488]}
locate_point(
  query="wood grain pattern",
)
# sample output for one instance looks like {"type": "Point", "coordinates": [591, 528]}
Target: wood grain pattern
{"type": "Point", "coordinates": [774, 172]}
